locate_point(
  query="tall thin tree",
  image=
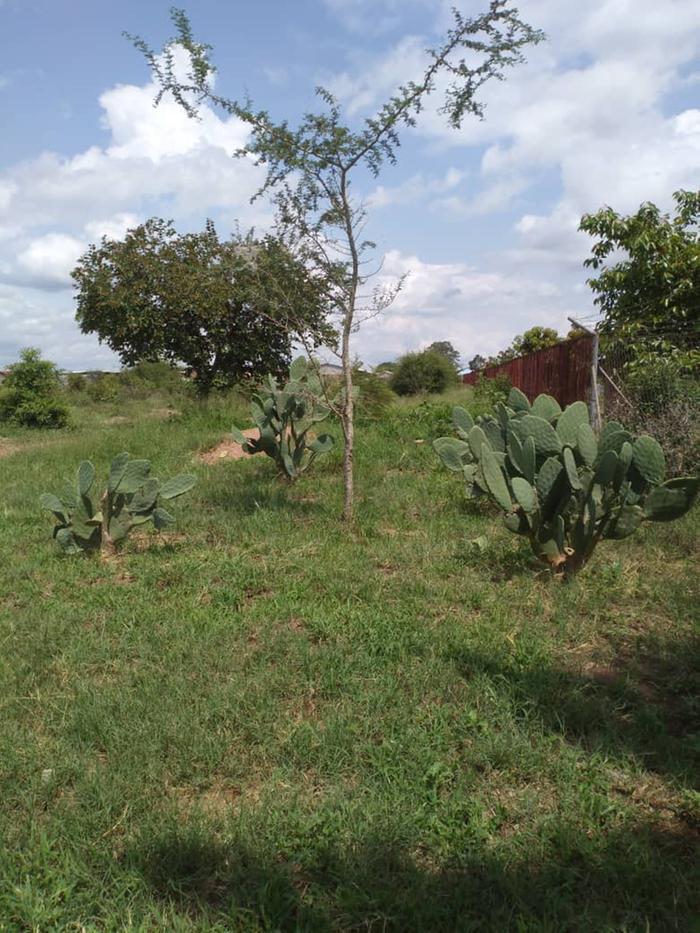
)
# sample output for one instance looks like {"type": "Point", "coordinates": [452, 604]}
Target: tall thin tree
{"type": "Point", "coordinates": [310, 169]}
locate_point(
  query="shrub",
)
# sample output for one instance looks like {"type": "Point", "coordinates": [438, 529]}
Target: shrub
{"type": "Point", "coordinates": [76, 382]}
{"type": "Point", "coordinates": [30, 394]}
{"type": "Point", "coordinates": [489, 391]}
{"type": "Point", "coordinates": [284, 418]}
{"type": "Point", "coordinates": [558, 485]}
{"type": "Point", "coordinates": [104, 388]}
{"type": "Point", "coordinates": [425, 372]}
{"type": "Point", "coordinates": [374, 396]}
{"type": "Point", "coordinates": [85, 522]}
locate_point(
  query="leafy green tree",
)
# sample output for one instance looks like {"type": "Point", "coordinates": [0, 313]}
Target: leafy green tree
{"type": "Point", "coordinates": [536, 338]}
{"type": "Point", "coordinates": [476, 363]}
{"type": "Point", "coordinates": [194, 299]}
{"type": "Point", "coordinates": [427, 371]}
{"type": "Point", "coordinates": [311, 168]}
{"type": "Point", "coordinates": [30, 393]}
{"type": "Point", "coordinates": [649, 297]}
{"type": "Point", "coordinates": [445, 348]}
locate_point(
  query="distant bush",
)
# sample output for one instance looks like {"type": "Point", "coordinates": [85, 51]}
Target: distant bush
{"type": "Point", "coordinates": [374, 397]}
{"type": "Point", "coordinates": [30, 395]}
{"type": "Point", "coordinates": [104, 388]}
{"type": "Point", "coordinates": [427, 372]}
{"type": "Point", "coordinates": [151, 375]}
{"type": "Point", "coordinates": [76, 382]}
{"type": "Point", "coordinates": [487, 392]}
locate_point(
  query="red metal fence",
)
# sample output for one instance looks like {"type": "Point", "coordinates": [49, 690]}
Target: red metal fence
{"type": "Point", "coordinates": [563, 371]}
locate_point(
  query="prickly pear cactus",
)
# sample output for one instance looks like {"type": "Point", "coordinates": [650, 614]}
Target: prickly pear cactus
{"type": "Point", "coordinates": [284, 417]}
{"type": "Point", "coordinates": [86, 521]}
{"type": "Point", "coordinates": [557, 483]}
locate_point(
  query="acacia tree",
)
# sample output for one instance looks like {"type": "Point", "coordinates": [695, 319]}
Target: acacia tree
{"type": "Point", "coordinates": [311, 168]}
{"type": "Point", "coordinates": [194, 299]}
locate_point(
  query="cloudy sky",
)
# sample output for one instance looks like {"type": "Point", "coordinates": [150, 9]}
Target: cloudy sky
{"type": "Point", "coordinates": [606, 111]}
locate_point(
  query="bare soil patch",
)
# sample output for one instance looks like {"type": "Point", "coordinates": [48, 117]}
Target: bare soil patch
{"type": "Point", "coordinates": [8, 447]}
{"type": "Point", "coordinates": [227, 450]}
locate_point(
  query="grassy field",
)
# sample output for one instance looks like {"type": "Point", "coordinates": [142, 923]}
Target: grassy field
{"type": "Point", "coordinates": [268, 720]}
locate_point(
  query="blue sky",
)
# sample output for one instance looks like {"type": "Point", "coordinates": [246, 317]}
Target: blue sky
{"type": "Point", "coordinates": [483, 220]}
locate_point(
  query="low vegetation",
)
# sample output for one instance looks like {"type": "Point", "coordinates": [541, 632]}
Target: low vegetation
{"type": "Point", "coordinates": [278, 721]}
{"type": "Point", "coordinates": [559, 485]}
{"type": "Point", "coordinates": [30, 394]}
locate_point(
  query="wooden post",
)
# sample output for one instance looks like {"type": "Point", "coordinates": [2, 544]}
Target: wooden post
{"type": "Point", "coordinates": [594, 401]}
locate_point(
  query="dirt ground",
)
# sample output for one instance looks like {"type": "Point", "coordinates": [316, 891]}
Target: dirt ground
{"type": "Point", "coordinates": [228, 449]}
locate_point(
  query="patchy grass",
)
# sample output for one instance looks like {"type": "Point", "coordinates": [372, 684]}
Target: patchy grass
{"type": "Point", "coordinates": [270, 721]}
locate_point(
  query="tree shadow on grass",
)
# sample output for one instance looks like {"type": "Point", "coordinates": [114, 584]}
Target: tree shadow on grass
{"type": "Point", "coordinates": [638, 878]}
{"type": "Point", "coordinates": [245, 495]}
{"type": "Point", "coordinates": [645, 703]}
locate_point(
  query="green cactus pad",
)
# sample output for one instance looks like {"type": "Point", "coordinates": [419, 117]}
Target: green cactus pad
{"type": "Point", "coordinates": [547, 441]}
{"type": "Point", "coordinates": [569, 422]}
{"type": "Point", "coordinates": [648, 458]}
{"type": "Point", "coordinates": [161, 519]}
{"type": "Point", "coordinates": [86, 477]}
{"type": "Point", "coordinates": [524, 494]}
{"type": "Point", "coordinates": [571, 469]}
{"type": "Point", "coordinates": [517, 400]}
{"type": "Point", "coordinates": [546, 407]}
{"type": "Point", "coordinates": [517, 523]}
{"type": "Point", "coordinates": [177, 486]}
{"type": "Point", "coordinates": [462, 419]}
{"type": "Point", "coordinates": [673, 499]}
{"type": "Point", "coordinates": [477, 439]}
{"type": "Point", "coordinates": [547, 477]}
{"type": "Point", "coordinates": [605, 470]}
{"type": "Point", "coordinates": [626, 523]}
{"type": "Point", "coordinates": [453, 452]}
{"type": "Point", "coordinates": [116, 470]}
{"type": "Point", "coordinates": [135, 475]}
{"type": "Point", "coordinates": [587, 444]}
{"type": "Point", "coordinates": [494, 433]}
{"type": "Point", "coordinates": [495, 480]}
{"type": "Point", "coordinates": [322, 444]}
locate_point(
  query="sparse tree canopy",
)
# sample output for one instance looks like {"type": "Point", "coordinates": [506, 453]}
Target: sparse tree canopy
{"type": "Point", "coordinates": [311, 167]}
{"type": "Point", "coordinates": [476, 363]}
{"type": "Point", "coordinates": [196, 300]}
{"type": "Point", "coordinates": [445, 348]}
{"type": "Point", "coordinates": [536, 338]}
{"type": "Point", "coordinates": [650, 299]}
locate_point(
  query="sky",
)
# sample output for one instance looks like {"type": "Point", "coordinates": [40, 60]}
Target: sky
{"type": "Point", "coordinates": [482, 220]}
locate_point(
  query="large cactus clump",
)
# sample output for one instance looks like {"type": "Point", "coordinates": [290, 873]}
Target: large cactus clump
{"type": "Point", "coordinates": [86, 521]}
{"type": "Point", "coordinates": [558, 483]}
{"type": "Point", "coordinates": [284, 417]}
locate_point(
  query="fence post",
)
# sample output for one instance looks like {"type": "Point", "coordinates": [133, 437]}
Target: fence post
{"type": "Point", "coordinates": [594, 401]}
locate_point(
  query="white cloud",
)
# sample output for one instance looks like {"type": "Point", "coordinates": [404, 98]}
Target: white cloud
{"type": "Point", "coordinates": [48, 259]}
{"type": "Point", "coordinates": [155, 161]}
{"type": "Point", "coordinates": [479, 312]}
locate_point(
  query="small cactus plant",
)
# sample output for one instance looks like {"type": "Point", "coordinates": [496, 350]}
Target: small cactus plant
{"type": "Point", "coordinates": [87, 522]}
{"type": "Point", "coordinates": [557, 483]}
{"type": "Point", "coordinates": [284, 418]}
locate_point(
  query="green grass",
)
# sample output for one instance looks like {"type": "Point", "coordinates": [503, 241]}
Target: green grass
{"type": "Point", "coordinates": [271, 721]}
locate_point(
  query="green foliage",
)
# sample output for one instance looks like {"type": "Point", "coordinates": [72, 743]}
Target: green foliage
{"type": "Point", "coordinates": [534, 339]}
{"type": "Point", "coordinates": [650, 299]}
{"type": "Point", "coordinates": [30, 394]}
{"type": "Point", "coordinates": [106, 387]}
{"type": "Point", "coordinates": [559, 486]}
{"type": "Point", "coordinates": [284, 417]}
{"type": "Point", "coordinates": [445, 348]}
{"type": "Point", "coordinates": [87, 521]}
{"type": "Point", "coordinates": [374, 396]}
{"type": "Point", "coordinates": [76, 382]}
{"type": "Point", "coordinates": [490, 390]}
{"type": "Point", "coordinates": [213, 305]}
{"type": "Point", "coordinates": [425, 372]}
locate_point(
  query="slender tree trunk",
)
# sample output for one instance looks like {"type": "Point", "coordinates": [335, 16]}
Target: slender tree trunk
{"type": "Point", "coordinates": [348, 418]}
{"type": "Point", "coordinates": [348, 427]}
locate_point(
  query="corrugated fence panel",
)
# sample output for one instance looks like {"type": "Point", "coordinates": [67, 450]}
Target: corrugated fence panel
{"type": "Point", "coordinates": [563, 371]}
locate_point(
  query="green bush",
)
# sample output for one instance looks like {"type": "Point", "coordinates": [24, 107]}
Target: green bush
{"type": "Point", "coordinates": [374, 396]}
{"type": "Point", "coordinates": [104, 388]}
{"type": "Point", "coordinates": [76, 382]}
{"type": "Point", "coordinates": [30, 395]}
{"type": "Point", "coordinates": [489, 391]}
{"type": "Point", "coordinates": [426, 372]}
